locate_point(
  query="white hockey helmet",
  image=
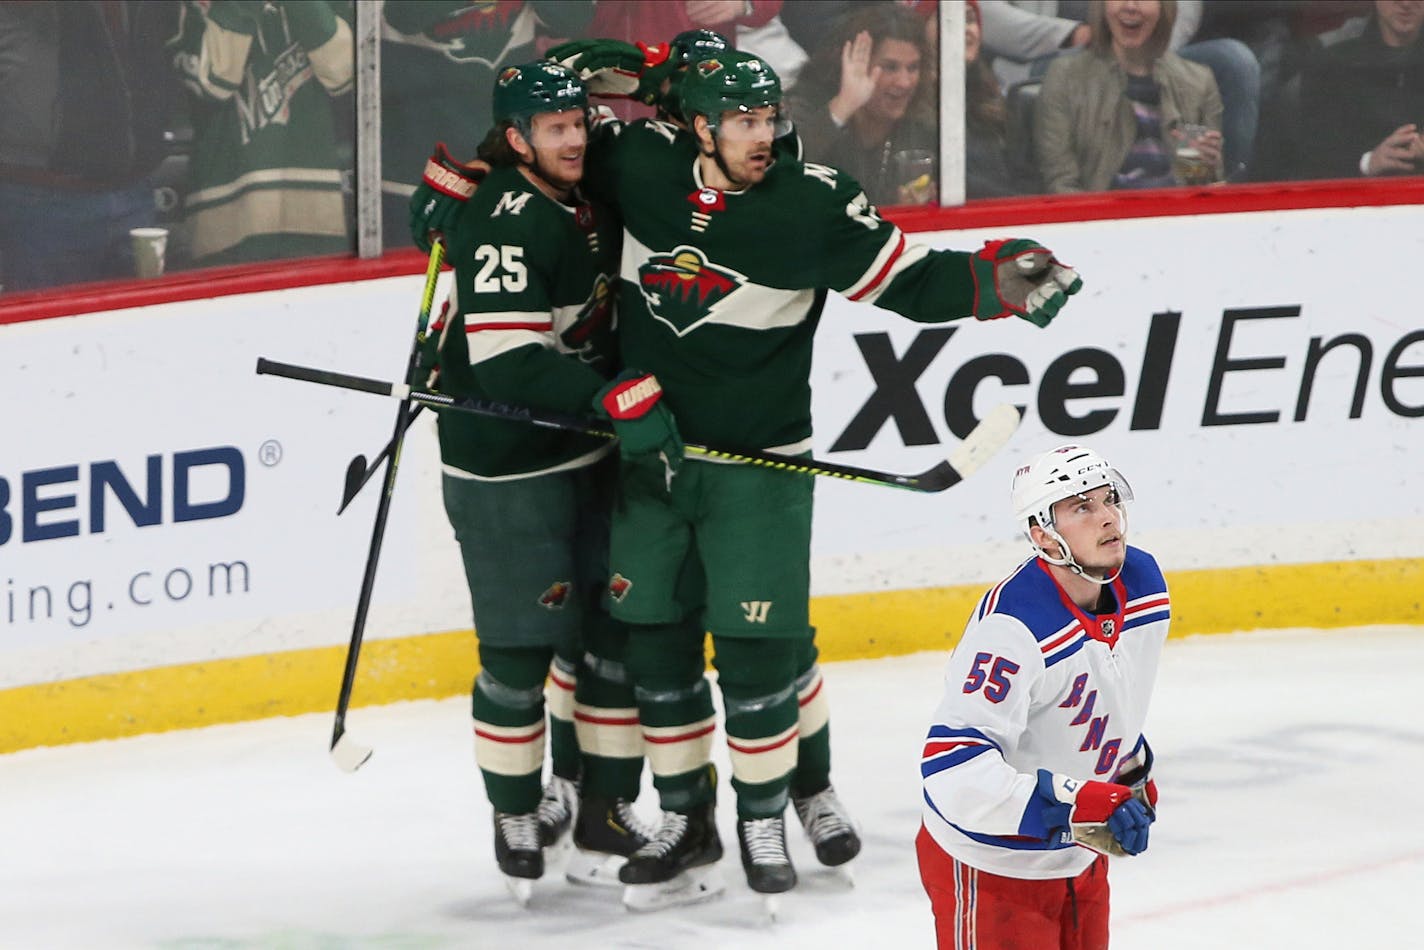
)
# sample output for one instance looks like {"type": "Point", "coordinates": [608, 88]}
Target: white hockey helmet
{"type": "Point", "coordinates": [1057, 474]}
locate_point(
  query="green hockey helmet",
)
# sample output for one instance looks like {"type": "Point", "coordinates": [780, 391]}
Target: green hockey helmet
{"type": "Point", "coordinates": [693, 46]}
{"type": "Point", "coordinates": [727, 81]}
{"type": "Point", "coordinates": [528, 89]}
{"type": "Point", "coordinates": [687, 48]}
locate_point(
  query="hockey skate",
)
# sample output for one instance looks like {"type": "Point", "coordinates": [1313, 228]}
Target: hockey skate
{"type": "Point", "coordinates": [764, 858]}
{"type": "Point", "coordinates": [677, 865]}
{"type": "Point", "coordinates": [829, 827]}
{"type": "Point", "coordinates": [606, 833]}
{"type": "Point", "coordinates": [517, 852]}
{"type": "Point", "coordinates": [556, 810]}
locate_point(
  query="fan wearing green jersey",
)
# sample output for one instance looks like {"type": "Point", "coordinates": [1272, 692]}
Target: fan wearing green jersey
{"type": "Point", "coordinates": [530, 321]}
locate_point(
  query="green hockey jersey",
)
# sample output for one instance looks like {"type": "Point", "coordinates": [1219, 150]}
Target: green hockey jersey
{"type": "Point", "coordinates": [531, 323]}
{"type": "Point", "coordinates": [721, 292]}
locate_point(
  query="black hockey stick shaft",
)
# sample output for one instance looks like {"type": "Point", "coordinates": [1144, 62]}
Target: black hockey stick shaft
{"type": "Point", "coordinates": [348, 754]}
{"type": "Point", "coordinates": [978, 446]}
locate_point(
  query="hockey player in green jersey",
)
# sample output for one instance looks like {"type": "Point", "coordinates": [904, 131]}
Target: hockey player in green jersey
{"type": "Point", "coordinates": [729, 251]}
{"type": "Point", "coordinates": [530, 322]}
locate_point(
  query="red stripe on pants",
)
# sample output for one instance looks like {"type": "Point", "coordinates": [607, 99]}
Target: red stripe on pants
{"type": "Point", "coordinates": [976, 910]}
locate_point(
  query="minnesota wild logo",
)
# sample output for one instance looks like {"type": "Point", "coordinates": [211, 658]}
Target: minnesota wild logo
{"type": "Point", "coordinates": [585, 335]}
{"type": "Point", "coordinates": [682, 288]}
{"type": "Point", "coordinates": [508, 76]}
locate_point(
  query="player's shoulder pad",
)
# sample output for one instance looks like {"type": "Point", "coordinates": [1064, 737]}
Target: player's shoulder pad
{"type": "Point", "coordinates": [1141, 573]}
{"type": "Point", "coordinates": [825, 189]}
{"type": "Point", "coordinates": [1030, 596]}
{"type": "Point", "coordinates": [508, 200]}
{"type": "Point", "coordinates": [653, 131]}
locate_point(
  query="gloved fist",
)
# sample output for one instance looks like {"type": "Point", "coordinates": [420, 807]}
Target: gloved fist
{"type": "Point", "coordinates": [615, 68]}
{"type": "Point", "coordinates": [444, 187]}
{"type": "Point", "coordinates": [1021, 278]}
{"type": "Point", "coordinates": [425, 373]}
{"type": "Point", "coordinates": [643, 423]}
{"type": "Point", "coordinates": [1105, 816]}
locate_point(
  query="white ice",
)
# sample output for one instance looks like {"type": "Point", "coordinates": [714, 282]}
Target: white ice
{"type": "Point", "coordinates": [1290, 763]}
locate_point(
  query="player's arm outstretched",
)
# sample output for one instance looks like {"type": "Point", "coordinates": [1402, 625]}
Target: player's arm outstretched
{"type": "Point", "coordinates": [868, 259]}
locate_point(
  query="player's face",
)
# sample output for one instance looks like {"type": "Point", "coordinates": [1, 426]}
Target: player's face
{"type": "Point", "coordinates": [899, 64]}
{"type": "Point", "coordinates": [559, 140]}
{"type": "Point", "coordinates": [743, 141]}
{"type": "Point", "coordinates": [1093, 525]}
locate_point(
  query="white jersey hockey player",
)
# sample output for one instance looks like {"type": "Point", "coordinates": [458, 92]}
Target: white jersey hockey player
{"type": "Point", "coordinates": [1035, 767]}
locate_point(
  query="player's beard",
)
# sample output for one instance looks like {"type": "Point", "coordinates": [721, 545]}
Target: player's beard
{"type": "Point", "coordinates": [742, 176]}
{"type": "Point", "coordinates": [556, 179]}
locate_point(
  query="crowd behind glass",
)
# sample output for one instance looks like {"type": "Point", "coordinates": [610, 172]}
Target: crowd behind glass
{"type": "Point", "coordinates": [166, 135]}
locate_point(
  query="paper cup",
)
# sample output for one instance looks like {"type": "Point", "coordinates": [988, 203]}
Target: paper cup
{"type": "Point", "coordinates": [149, 245]}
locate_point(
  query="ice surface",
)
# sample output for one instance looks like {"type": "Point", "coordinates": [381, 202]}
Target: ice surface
{"type": "Point", "coordinates": [1290, 766]}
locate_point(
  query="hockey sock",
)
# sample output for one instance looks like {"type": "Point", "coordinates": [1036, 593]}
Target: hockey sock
{"type": "Point", "coordinates": [606, 714]}
{"type": "Point", "coordinates": [757, 679]}
{"type": "Point", "coordinates": [559, 694]}
{"type": "Point", "coordinates": [508, 708]}
{"type": "Point", "coordinates": [813, 755]}
{"type": "Point", "coordinates": [675, 708]}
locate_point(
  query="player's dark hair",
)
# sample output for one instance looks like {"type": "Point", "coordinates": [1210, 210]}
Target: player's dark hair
{"type": "Point", "coordinates": [496, 149]}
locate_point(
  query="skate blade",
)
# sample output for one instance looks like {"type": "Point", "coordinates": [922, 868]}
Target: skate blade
{"type": "Point", "coordinates": [692, 886]}
{"type": "Point", "coordinates": [594, 868]}
{"type": "Point", "coordinates": [522, 889]}
{"type": "Point", "coordinates": [770, 907]}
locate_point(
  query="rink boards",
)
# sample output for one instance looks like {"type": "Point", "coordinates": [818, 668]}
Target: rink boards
{"type": "Point", "coordinates": [170, 554]}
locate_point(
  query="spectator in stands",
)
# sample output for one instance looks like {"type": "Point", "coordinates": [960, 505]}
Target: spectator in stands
{"type": "Point", "coordinates": [84, 94]}
{"type": "Point", "coordinates": [267, 166]}
{"type": "Point", "coordinates": [1025, 35]}
{"type": "Point", "coordinates": [986, 164]}
{"type": "Point", "coordinates": [438, 63]}
{"type": "Point", "coordinates": [1362, 101]}
{"type": "Point", "coordinates": [861, 104]}
{"type": "Point", "coordinates": [1104, 117]}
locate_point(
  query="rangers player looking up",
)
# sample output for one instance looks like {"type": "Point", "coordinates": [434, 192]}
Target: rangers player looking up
{"type": "Point", "coordinates": [1035, 769]}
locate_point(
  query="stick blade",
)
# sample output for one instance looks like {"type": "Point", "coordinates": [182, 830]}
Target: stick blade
{"type": "Point", "coordinates": [348, 754]}
{"type": "Point", "coordinates": [991, 434]}
{"type": "Point", "coordinates": [355, 480]}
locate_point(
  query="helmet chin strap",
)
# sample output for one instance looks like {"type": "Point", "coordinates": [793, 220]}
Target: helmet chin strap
{"type": "Point", "coordinates": [1068, 561]}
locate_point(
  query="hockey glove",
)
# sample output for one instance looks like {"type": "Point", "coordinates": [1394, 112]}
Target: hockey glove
{"type": "Point", "coordinates": [643, 423]}
{"type": "Point", "coordinates": [1020, 278]}
{"type": "Point", "coordinates": [1105, 816]}
{"type": "Point", "coordinates": [615, 68]}
{"type": "Point", "coordinates": [425, 374]}
{"type": "Point", "coordinates": [444, 188]}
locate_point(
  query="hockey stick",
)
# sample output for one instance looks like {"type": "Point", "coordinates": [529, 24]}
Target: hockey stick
{"type": "Point", "coordinates": [359, 471]}
{"type": "Point", "coordinates": [347, 753]}
{"type": "Point", "coordinates": [978, 447]}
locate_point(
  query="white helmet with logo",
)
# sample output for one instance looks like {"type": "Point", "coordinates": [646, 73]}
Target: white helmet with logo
{"type": "Point", "coordinates": [1060, 473]}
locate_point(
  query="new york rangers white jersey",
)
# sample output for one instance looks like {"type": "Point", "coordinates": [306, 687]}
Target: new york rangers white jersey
{"type": "Point", "coordinates": [1037, 683]}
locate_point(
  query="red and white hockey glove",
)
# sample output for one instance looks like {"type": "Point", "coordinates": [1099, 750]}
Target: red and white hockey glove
{"type": "Point", "coordinates": [444, 187]}
{"type": "Point", "coordinates": [1108, 817]}
{"type": "Point", "coordinates": [1021, 278]}
{"type": "Point", "coordinates": [615, 68]}
{"type": "Point", "coordinates": [645, 425]}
